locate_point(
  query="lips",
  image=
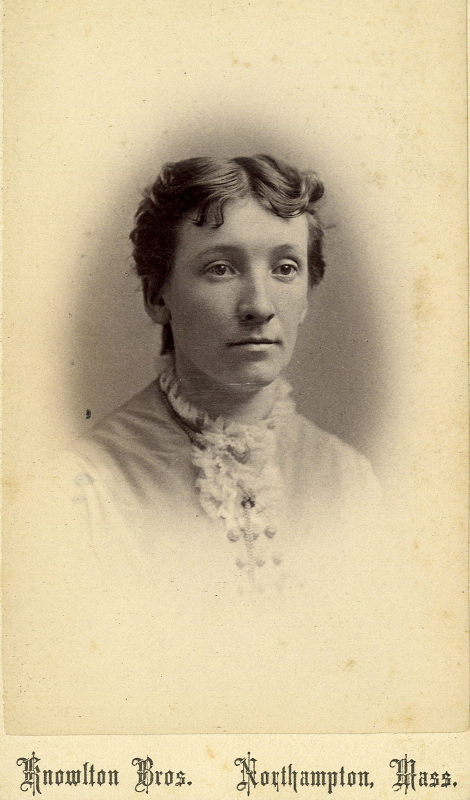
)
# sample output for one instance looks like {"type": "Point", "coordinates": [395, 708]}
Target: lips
{"type": "Point", "coordinates": [253, 340]}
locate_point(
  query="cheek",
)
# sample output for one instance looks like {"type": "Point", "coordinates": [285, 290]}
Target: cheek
{"type": "Point", "coordinates": [199, 320]}
{"type": "Point", "coordinates": [208, 308]}
{"type": "Point", "coordinates": [184, 305]}
{"type": "Point", "coordinates": [294, 309]}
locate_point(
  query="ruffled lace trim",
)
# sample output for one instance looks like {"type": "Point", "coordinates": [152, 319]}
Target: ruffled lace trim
{"type": "Point", "coordinates": [237, 465]}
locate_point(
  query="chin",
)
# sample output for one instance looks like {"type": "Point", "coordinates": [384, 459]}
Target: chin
{"type": "Point", "coordinates": [248, 380]}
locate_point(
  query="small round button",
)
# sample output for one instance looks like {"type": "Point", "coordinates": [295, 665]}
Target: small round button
{"type": "Point", "coordinates": [248, 502]}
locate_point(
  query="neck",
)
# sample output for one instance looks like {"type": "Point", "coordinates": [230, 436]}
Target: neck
{"type": "Point", "coordinates": [217, 400]}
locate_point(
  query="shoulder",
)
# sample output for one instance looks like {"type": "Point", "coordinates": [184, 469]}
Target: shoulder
{"type": "Point", "coordinates": [136, 413]}
{"type": "Point", "coordinates": [135, 453]}
{"type": "Point", "coordinates": [328, 460]}
{"type": "Point", "coordinates": [132, 429]}
{"type": "Point", "coordinates": [327, 445]}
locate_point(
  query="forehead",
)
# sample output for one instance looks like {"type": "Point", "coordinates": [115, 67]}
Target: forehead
{"type": "Point", "coordinates": [248, 227]}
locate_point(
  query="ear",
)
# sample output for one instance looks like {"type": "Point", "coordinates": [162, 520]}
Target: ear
{"type": "Point", "coordinates": [303, 313]}
{"type": "Point", "coordinates": [155, 305]}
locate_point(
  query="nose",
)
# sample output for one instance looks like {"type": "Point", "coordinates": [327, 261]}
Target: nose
{"type": "Point", "coordinates": [255, 305]}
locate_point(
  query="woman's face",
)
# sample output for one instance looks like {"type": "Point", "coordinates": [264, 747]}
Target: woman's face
{"type": "Point", "coordinates": [236, 296]}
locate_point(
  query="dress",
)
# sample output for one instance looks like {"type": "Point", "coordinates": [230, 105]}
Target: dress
{"type": "Point", "coordinates": [243, 552]}
{"type": "Point", "coordinates": [141, 469]}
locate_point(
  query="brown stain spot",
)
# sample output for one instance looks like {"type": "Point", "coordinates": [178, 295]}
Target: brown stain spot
{"type": "Point", "coordinates": [446, 614]}
{"type": "Point", "coordinates": [93, 646]}
{"type": "Point", "coordinates": [423, 307]}
{"type": "Point", "coordinates": [350, 664]}
{"type": "Point", "coordinates": [210, 752]}
{"type": "Point", "coordinates": [275, 57]}
{"type": "Point", "coordinates": [236, 62]}
{"type": "Point", "coordinates": [377, 178]}
{"type": "Point", "coordinates": [226, 767]}
{"type": "Point", "coordinates": [10, 483]}
{"type": "Point", "coordinates": [447, 178]}
{"type": "Point", "coordinates": [11, 487]}
{"type": "Point", "coordinates": [406, 718]}
{"type": "Point", "coordinates": [415, 544]}
{"type": "Point", "coordinates": [282, 643]}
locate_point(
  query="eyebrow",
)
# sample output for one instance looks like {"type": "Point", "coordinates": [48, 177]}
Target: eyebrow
{"type": "Point", "coordinates": [279, 250]}
{"type": "Point", "coordinates": [217, 248]}
{"type": "Point", "coordinates": [282, 249]}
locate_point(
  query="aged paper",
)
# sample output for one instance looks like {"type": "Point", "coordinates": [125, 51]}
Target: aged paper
{"type": "Point", "coordinates": [372, 96]}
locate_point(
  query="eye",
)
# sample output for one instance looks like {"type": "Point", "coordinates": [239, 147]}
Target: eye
{"type": "Point", "coordinates": [219, 269]}
{"type": "Point", "coordinates": [286, 270]}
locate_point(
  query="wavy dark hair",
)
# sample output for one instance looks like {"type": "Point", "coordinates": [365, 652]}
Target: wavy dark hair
{"type": "Point", "coordinates": [204, 185]}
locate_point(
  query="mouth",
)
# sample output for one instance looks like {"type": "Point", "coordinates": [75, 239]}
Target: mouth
{"type": "Point", "coordinates": [254, 341]}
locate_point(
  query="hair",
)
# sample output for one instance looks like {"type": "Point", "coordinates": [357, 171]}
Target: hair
{"type": "Point", "coordinates": [204, 186]}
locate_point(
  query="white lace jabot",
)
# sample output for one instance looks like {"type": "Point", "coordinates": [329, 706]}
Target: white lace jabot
{"type": "Point", "coordinates": [238, 475]}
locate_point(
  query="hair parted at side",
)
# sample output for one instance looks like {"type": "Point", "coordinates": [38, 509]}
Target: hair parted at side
{"type": "Point", "coordinates": [204, 185]}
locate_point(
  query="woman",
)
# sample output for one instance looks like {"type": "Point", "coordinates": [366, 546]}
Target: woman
{"type": "Point", "coordinates": [218, 520]}
{"type": "Point", "coordinates": [227, 250]}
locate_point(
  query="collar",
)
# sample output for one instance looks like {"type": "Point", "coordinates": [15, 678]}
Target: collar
{"type": "Point", "coordinates": [237, 473]}
{"type": "Point", "coordinates": [199, 421]}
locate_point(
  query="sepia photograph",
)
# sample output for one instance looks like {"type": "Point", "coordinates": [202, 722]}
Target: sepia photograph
{"type": "Point", "coordinates": [207, 508]}
{"type": "Point", "coordinates": [235, 393]}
